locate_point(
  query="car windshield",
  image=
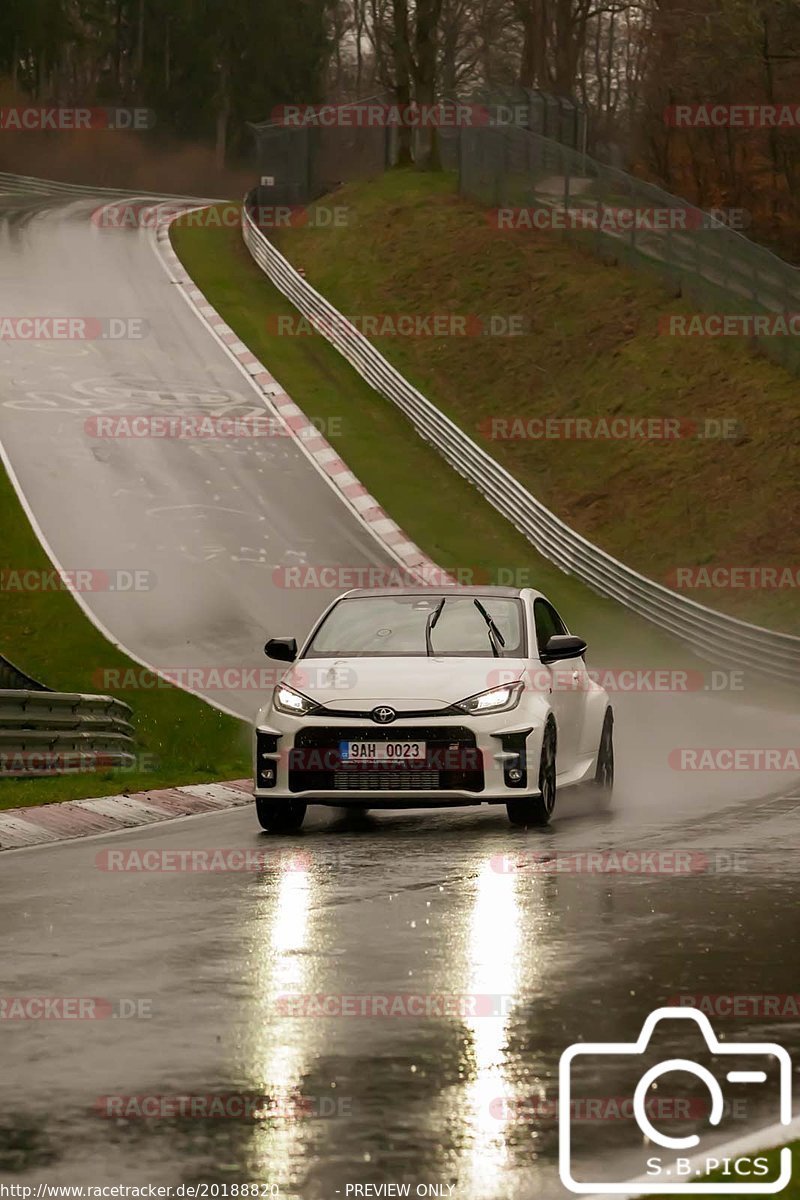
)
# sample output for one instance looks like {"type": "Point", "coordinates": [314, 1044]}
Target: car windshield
{"type": "Point", "coordinates": [395, 625]}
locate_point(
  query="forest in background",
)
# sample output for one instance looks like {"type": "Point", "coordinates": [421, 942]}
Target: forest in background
{"type": "Point", "coordinates": [206, 68]}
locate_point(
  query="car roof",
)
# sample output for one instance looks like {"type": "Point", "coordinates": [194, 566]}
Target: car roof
{"type": "Point", "coordinates": [440, 590]}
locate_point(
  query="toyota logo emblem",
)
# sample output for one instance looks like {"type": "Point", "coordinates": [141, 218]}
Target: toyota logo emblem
{"type": "Point", "coordinates": [383, 716]}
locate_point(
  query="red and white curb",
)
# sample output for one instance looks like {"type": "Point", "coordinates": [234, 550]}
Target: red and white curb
{"type": "Point", "coordinates": [58, 822]}
{"type": "Point", "coordinates": [323, 455]}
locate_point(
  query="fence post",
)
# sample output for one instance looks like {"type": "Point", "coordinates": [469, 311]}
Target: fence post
{"type": "Point", "coordinates": [726, 273]}
{"type": "Point", "coordinates": [500, 167]}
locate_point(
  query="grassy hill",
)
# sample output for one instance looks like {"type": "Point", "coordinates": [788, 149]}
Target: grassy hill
{"type": "Point", "coordinates": [591, 348]}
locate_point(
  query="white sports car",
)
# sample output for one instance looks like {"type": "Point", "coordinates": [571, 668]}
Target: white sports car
{"type": "Point", "coordinates": [429, 697]}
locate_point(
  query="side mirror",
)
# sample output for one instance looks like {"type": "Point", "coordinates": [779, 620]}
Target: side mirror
{"type": "Point", "coordinates": [284, 649]}
{"type": "Point", "coordinates": [561, 646]}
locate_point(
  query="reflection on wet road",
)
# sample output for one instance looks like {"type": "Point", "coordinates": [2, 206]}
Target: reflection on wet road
{"type": "Point", "coordinates": [251, 976]}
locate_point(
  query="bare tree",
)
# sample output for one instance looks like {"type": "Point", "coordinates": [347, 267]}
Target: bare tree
{"type": "Point", "coordinates": [403, 73]}
{"type": "Point", "coordinates": [424, 63]}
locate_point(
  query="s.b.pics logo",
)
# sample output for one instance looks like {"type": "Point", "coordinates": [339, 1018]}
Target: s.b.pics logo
{"type": "Point", "coordinates": [720, 1084]}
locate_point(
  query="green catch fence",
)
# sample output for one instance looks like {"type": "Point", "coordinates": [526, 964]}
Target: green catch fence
{"type": "Point", "coordinates": [537, 182]}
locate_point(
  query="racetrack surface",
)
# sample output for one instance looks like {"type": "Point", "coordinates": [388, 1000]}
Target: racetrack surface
{"type": "Point", "coordinates": [206, 522]}
{"type": "Point", "coordinates": [388, 904]}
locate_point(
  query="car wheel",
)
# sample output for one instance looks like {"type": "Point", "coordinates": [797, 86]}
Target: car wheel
{"type": "Point", "coordinates": [604, 772]}
{"type": "Point", "coordinates": [537, 810]}
{"type": "Point", "coordinates": [280, 816]}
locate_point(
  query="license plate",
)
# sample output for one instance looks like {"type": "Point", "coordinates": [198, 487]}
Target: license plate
{"type": "Point", "coordinates": [382, 751]}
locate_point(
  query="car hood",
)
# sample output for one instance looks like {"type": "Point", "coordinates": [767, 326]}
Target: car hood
{"type": "Point", "coordinates": [403, 683]}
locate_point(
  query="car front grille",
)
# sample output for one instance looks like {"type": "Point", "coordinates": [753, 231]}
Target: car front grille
{"type": "Point", "coordinates": [391, 780]}
{"type": "Point", "coordinates": [453, 762]}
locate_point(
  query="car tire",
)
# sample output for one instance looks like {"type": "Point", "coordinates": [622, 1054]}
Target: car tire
{"type": "Point", "coordinates": [604, 772]}
{"type": "Point", "coordinates": [537, 810]}
{"type": "Point", "coordinates": [280, 816]}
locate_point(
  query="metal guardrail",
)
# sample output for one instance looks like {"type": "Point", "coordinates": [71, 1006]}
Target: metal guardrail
{"type": "Point", "coordinates": [53, 733]}
{"type": "Point", "coordinates": [13, 184]}
{"type": "Point", "coordinates": [57, 733]}
{"type": "Point", "coordinates": [713, 635]}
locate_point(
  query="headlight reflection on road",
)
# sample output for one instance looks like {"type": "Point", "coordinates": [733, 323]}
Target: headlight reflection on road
{"type": "Point", "coordinates": [279, 1050]}
{"type": "Point", "coordinates": [493, 970]}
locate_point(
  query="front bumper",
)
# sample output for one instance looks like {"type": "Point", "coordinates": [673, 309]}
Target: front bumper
{"type": "Point", "coordinates": [469, 760]}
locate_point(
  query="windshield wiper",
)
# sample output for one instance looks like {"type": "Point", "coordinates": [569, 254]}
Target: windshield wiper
{"type": "Point", "coordinates": [496, 638]}
{"type": "Point", "coordinates": [430, 625]}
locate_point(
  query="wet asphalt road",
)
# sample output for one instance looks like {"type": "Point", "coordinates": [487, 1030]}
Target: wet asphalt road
{"type": "Point", "coordinates": [395, 905]}
{"type": "Point", "coordinates": [403, 905]}
{"type": "Point", "coordinates": [209, 525]}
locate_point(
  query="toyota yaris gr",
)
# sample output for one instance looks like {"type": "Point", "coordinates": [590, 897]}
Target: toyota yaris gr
{"type": "Point", "coordinates": [428, 697]}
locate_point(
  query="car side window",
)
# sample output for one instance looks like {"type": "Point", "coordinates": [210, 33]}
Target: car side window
{"type": "Point", "coordinates": [547, 622]}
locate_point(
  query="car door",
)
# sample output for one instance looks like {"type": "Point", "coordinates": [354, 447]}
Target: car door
{"type": "Point", "coordinates": [568, 681]}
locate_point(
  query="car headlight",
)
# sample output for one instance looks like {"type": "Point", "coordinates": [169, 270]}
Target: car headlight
{"type": "Point", "coordinates": [287, 700]}
{"type": "Point", "coordinates": [499, 699]}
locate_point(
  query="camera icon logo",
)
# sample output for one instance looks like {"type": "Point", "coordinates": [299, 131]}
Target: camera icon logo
{"type": "Point", "coordinates": [671, 1175]}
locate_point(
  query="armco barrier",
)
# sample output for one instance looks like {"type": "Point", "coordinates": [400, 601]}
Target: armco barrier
{"type": "Point", "coordinates": [712, 635]}
{"type": "Point", "coordinates": [43, 732]}
{"type": "Point", "coordinates": [46, 732]}
{"type": "Point", "coordinates": [26, 185]}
